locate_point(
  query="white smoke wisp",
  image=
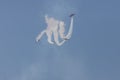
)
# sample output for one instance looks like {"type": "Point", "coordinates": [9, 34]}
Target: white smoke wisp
{"type": "Point", "coordinates": [58, 67]}
{"type": "Point", "coordinates": [55, 28]}
{"type": "Point", "coordinates": [68, 36]}
{"type": "Point", "coordinates": [34, 71]}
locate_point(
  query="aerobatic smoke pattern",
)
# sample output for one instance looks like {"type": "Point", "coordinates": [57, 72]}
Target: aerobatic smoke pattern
{"type": "Point", "coordinates": [57, 29]}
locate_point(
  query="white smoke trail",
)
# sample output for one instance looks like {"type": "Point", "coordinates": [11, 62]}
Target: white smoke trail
{"type": "Point", "coordinates": [56, 28]}
{"type": "Point", "coordinates": [68, 36]}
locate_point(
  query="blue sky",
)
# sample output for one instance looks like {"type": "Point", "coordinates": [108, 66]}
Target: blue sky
{"type": "Point", "coordinates": [93, 52]}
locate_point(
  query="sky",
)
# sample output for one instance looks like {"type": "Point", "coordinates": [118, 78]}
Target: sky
{"type": "Point", "coordinates": [92, 53]}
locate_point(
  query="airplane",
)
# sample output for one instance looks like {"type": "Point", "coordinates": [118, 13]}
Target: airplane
{"type": "Point", "coordinates": [71, 15]}
{"type": "Point", "coordinates": [66, 38]}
